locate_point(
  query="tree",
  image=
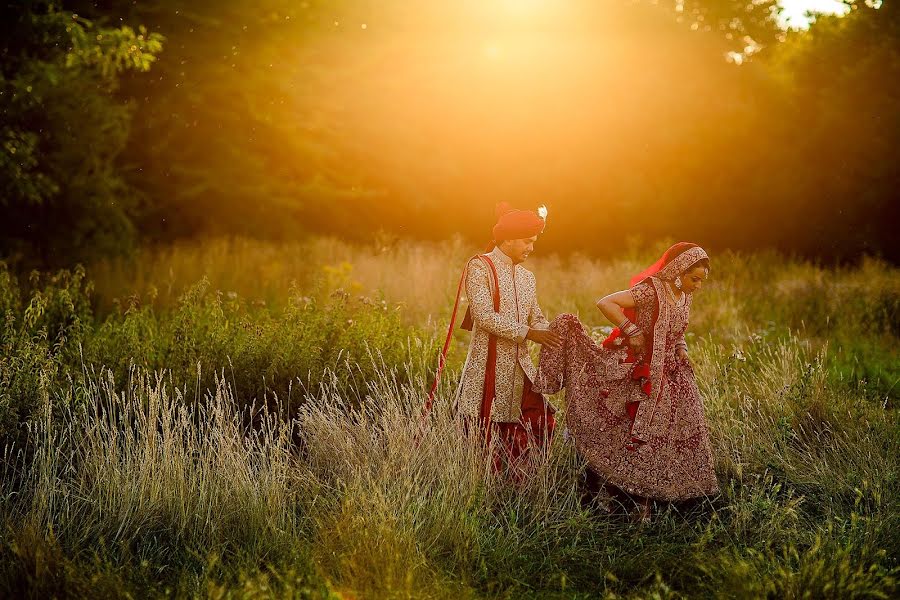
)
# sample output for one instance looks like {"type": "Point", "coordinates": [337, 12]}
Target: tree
{"type": "Point", "coordinates": [743, 23]}
{"type": "Point", "coordinates": [63, 130]}
{"type": "Point", "coordinates": [326, 116]}
{"type": "Point", "coordinates": [277, 117]}
{"type": "Point", "coordinates": [841, 83]}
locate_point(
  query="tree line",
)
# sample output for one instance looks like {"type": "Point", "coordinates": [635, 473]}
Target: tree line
{"type": "Point", "coordinates": [126, 123]}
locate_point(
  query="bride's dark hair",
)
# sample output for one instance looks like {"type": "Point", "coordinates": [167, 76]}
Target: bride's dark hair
{"type": "Point", "coordinates": [703, 262]}
{"type": "Point", "coordinates": [677, 250]}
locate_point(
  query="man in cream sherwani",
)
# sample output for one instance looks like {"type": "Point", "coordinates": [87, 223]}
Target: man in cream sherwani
{"type": "Point", "coordinates": [496, 385]}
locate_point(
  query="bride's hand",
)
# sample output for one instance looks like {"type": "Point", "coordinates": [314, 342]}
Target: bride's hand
{"type": "Point", "coordinates": [637, 342]}
{"type": "Point", "coordinates": [682, 355]}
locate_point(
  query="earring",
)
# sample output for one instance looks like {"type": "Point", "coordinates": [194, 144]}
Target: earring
{"type": "Point", "coordinates": [678, 282]}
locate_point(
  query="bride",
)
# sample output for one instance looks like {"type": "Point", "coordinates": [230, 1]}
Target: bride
{"type": "Point", "coordinates": [632, 404]}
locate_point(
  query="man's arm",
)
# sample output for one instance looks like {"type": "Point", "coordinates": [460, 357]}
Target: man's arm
{"type": "Point", "coordinates": [481, 302]}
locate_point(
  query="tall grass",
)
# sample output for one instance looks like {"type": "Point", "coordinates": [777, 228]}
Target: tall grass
{"type": "Point", "coordinates": [853, 309]}
{"type": "Point", "coordinates": [137, 481]}
{"type": "Point", "coordinates": [370, 505]}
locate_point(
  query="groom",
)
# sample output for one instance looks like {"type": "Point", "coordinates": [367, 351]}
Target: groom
{"type": "Point", "coordinates": [496, 386]}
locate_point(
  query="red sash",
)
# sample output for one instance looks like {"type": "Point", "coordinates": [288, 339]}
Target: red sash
{"type": "Point", "coordinates": [490, 379]}
{"type": "Point", "coordinates": [492, 339]}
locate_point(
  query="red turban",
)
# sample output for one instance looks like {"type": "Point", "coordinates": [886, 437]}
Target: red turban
{"type": "Point", "coordinates": [516, 224]}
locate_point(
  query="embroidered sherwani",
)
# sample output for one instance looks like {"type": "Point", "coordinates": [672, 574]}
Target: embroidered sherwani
{"type": "Point", "coordinates": [519, 311]}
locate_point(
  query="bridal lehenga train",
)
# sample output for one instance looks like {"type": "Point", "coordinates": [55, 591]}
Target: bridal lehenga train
{"type": "Point", "coordinates": [638, 421]}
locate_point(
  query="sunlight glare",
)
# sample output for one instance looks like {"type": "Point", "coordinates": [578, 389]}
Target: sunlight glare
{"type": "Point", "coordinates": [524, 7]}
{"type": "Point", "coordinates": [794, 12]}
{"type": "Point", "coordinates": [493, 50]}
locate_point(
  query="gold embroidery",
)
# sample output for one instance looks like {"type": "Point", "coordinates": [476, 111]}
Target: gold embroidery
{"type": "Point", "coordinates": [681, 262]}
{"type": "Point", "coordinates": [675, 462]}
{"type": "Point", "coordinates": [518, 308]}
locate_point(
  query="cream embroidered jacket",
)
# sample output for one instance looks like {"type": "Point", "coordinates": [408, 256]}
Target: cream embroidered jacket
{"type": "Point", "coordinates": [519, 310]}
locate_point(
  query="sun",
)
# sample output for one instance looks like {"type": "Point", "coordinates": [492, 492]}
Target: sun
{"type": "Point", "coordinates": [517, 11]}
{"type": "Point", "coordinates": [794, 12]}
{"type": "Point", "coordinates": [524, 7]}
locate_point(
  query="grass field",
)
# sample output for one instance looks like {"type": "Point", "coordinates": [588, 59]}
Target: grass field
{"type": "Point", "coordinates": [233, 418]}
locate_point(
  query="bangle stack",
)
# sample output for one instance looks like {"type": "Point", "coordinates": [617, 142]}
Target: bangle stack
{"type": "Point", "coordinates": [681, 344]}
{"type": "Point", "coordinates": [628, 328]}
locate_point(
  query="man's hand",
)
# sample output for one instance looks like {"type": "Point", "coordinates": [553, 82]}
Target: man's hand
{"type": "Point", "coordinates": [545, 337]}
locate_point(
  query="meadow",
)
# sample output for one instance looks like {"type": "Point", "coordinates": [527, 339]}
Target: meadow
{"type": "Point", "coordinates": [232, 418]}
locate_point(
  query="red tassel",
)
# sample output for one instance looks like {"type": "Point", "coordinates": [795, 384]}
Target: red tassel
{"type": "Point", "coordinates": [613, 340]}
{"type": "Point", "coordinates": [641, 371]}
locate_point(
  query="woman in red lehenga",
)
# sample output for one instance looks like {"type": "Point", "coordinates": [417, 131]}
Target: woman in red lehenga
{"type": "Point", "coordinates": [633, 407]}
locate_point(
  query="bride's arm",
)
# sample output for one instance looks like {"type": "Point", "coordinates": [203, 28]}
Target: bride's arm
{"type": "Point", "coordinates": [681, 348]}
{"type": "Point", "coordinates": [612, 307]}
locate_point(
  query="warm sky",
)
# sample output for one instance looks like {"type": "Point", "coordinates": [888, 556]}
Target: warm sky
{"type": "Point", "coordinates": [794, 10]}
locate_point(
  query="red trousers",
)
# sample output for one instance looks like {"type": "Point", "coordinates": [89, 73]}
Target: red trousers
{"type": "Point", "coordinates": [537, 419]}
{"type": "Point", "coordinates": [534, 428]}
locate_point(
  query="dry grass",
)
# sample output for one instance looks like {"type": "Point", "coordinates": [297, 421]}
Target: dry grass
{"type": "Point", "coordinates": [138, 486]}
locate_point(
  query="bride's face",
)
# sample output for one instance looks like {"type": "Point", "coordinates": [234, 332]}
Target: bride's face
{"type": "Point", "coordinates": [693, 279]}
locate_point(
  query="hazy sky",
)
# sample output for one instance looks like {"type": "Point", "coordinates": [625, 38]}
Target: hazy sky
{"type": "Point", "coordinates": [794, 10]}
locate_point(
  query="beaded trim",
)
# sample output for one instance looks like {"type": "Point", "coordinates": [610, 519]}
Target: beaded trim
{"type": "Point", "coordinates": [682, 262]}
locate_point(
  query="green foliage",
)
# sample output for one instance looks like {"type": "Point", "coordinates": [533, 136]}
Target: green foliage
{"type": "Point", "coordinates": [282, 118]}
{"type": "Point", "coordinates": [736, 20]}
{"type": "Point", "coordinates": [256, 349]}
{"type": "Point", "coordinates": [111, 51]}
{"type": "Point", "coordinates": [839, 83]}
{"type": "Point", "coordinates": [63, 130]}
{"type": "Point", "coordinates": [39, 342]}
{"type": "Point", "coordinates": [136, 474]}
{"type": "Point", "coordinates": [263, 352]}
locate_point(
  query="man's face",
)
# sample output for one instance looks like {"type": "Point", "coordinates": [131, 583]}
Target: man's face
{"type": "Point", "coordinates": [519, 250]}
